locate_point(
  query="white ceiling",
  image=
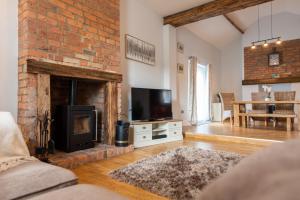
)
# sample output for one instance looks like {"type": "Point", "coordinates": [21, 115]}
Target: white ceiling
{"type": "Point", "coordinates": [217, 30]}
{"type": "Point", "coordinates": [246, 17]}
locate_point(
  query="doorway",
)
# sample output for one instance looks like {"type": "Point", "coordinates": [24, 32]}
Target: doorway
{"type": "Point", "coordinates": [203, 93]}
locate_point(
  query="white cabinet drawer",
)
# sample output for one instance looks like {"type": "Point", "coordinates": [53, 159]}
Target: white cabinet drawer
{"type": "Point", "coordinates": [175, 133]}
{"type": "Point", "coordinates": [143, 137]}
{"type": "Point", "coordinates": [175, 125]}
{"type": "Point", "coordinates": [142, 128]}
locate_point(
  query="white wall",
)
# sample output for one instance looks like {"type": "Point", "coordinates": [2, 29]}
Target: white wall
{"type": "Point", "coordinates": [206, 54]}
{"type": "Point", "coordinates": [9, 56]}
{"type": "Point", "coordinates": [170, 67]}
{"type": "Point", "coordinates": [232, 68]}
{"type": "Point", "coordinates": [140, 21]}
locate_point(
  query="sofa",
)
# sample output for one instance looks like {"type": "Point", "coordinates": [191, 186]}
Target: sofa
{"type": "Point", "coordinates": [272, 173]}
{"type": "Point", "coordinates": [32, 178]}
{"type": "Point", "coordinates": [80, 192]}
{"type": "Point", "coordinates": [40, 181]}
{"type": "Point", "coordinates": [25, 177]}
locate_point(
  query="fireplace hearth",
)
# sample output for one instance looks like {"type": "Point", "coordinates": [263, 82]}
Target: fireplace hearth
{"type": "Point", "coordinates": [75, 126]}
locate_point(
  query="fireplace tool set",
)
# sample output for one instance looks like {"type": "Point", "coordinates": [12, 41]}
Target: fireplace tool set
{"type": "Point", "coordinates": [46, 144]}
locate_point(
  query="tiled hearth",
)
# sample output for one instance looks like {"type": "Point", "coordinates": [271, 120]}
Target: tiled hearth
{"type": "Point", "coordinates": [100, 152]}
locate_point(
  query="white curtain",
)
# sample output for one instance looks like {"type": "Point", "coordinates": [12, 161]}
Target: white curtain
{"type": "Point", "coordinates": [193, 90]}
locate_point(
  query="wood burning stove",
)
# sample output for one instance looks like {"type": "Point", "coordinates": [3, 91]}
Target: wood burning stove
{"type": "Point", "coordinates": [74, 125]}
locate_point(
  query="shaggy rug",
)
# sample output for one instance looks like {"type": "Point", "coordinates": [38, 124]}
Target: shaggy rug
{"type": "Point", "coordinates": [177, 174]}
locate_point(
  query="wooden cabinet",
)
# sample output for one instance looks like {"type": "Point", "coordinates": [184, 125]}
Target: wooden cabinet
{"type": "Point", "coordinates": [157, 132]}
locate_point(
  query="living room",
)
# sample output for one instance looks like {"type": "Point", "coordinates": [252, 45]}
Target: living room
{"type": "Point", "coordinates": [144, 99]}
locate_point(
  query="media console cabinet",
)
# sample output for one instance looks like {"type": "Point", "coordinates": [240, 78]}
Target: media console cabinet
{"type": "Point", "coordinates": [155, 132]}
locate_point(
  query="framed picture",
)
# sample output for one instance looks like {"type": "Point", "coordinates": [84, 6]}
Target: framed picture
{"type": "Point", "coordinates": [180, 47]}
{"type": "Point", "coordinates": [180, 68]}
{"type": "Point", "coordinates": [139, 50]}
{"type": "Point", "coordinates": [274, 59]}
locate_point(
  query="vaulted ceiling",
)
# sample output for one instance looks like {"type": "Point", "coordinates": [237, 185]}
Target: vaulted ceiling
{"type": "Point", "coordinates": [218, 30]}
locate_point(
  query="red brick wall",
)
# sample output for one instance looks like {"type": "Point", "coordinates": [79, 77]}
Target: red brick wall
{"type": "Point", "coordinates": [83, 33]}
{"type": "Point", "coordinates": [256, 64]}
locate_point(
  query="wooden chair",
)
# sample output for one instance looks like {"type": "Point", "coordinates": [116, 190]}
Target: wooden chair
{"type": "Point", "coordinates": [227, 106]}
{"type": "Point", "coordinates": [284, 109]}
{"type": "Point", "coordinates": [258, 108]}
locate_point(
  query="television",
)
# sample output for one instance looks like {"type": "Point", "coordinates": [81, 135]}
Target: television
{"type": "Point", "coordinates": [151, 104]}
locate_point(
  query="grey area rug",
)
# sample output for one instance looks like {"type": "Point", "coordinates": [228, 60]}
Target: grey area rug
{"type": "Point", "coordinates": [177, 174]}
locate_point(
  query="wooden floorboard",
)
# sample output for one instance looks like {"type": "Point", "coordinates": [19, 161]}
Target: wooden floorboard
{"type": "Point", "coordinates": [257, 132]}
{"type": "Point", "coordinates": [97, 173]}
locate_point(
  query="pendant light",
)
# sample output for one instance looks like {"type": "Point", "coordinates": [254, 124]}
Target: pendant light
{"type": "Point", "coordinates": [265, 42]}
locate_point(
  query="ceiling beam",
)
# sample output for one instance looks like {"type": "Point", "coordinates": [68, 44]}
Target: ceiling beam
{"type": "Point", "coordinates": [208, 10]}
{"type": "Point", "coordinates": [233, 24]}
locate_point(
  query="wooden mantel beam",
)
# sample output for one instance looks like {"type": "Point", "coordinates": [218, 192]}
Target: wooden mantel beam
{"type": "Point", "coordinates": [208, 10]}
{"type": "Point", "coordinates": [233, 24]}
{"type": "Point", "coordinates": [58, 69]}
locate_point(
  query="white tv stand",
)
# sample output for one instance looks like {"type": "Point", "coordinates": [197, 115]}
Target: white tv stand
{"type": "Point", "coordinates": [155, 132]}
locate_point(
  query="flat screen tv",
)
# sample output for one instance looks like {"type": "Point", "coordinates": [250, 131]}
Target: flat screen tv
{"type": "Point", "coordinates": [151, 104]}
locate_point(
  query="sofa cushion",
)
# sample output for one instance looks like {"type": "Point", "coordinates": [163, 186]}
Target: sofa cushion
{"type": "Point", "coordinates": [32, 178]}
{"type": "Point", "coordinates": [80, 192]}
{"type": "Point", "coordinates": [270, 174]}
{"type": "Point", "coordinates": [12, 142]}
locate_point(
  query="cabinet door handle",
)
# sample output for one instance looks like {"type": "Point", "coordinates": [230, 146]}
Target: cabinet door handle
{"type": "Point", "coordinates": [144, 127]}
{"type": "Point", "coordinates": [175, 133]}
{"type": "Point", "coordinates": [144, 137]}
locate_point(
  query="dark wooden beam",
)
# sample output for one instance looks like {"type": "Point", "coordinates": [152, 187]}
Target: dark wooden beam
{"type": "Point", "coordinates": [208, 10]}
{"type": "Point", "coordinates": [271, 81]}
{"type": "Point", "coordinates": [233, 24]}
{"type": "Point", "coordinates": [40, 67]}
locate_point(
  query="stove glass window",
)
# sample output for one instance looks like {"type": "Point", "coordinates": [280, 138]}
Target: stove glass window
{"type": "Point", "coordinates": [81, 124]}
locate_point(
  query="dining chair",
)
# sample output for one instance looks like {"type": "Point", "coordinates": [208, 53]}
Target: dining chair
{"type": "Point", "coordinates": [258, 108]}
{"type": "Point", "coordinates": [284, 109]}
{"type": "Point", "coordinates": [227, 106]}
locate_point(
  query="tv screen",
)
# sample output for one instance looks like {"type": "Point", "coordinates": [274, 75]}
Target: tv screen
{"type": "Point", "coordinates": [151, 104]}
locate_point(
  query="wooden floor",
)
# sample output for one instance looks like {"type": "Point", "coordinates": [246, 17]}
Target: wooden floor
{"type": "Point", "coordinates": [258, 132]}
{"type": "Point", "coordinates": [97, 173]}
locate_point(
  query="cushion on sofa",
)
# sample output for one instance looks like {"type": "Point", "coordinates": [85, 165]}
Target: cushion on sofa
{"type": "Point", "coordinates": [32, 178]}
{"type": "Point", "coordinates": [80, 192]}
{"type": "Point", "coordinates": [12, 142]}
{"type": "Point", "coordinates": [270, 174]}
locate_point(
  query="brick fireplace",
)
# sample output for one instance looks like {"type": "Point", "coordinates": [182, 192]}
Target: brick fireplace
{"type": "Point", "coordinates": [68, 39]}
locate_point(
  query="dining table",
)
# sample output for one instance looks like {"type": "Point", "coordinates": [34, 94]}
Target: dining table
{"type": "Point", "coordinates": [239, 107]}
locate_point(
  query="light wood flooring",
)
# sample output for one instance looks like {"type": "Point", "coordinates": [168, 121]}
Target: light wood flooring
{"type": "Point", "coordinates": [97, 173]}
{"type": "Point", "coordinates": [258, 132]}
